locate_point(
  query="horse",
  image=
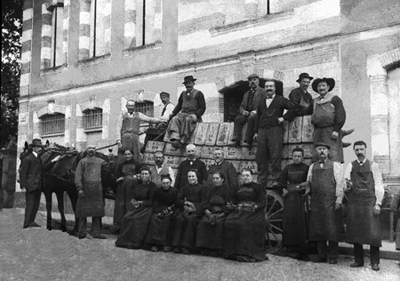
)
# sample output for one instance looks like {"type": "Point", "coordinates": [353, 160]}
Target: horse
{"type": "Point", "coordinates": [60, 178]}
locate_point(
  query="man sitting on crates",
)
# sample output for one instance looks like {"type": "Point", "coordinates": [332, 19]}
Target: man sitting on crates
{"type": "Point", "coordinates": [191, 106]}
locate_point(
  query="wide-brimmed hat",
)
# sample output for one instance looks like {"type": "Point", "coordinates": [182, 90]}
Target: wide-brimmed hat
{"type": "Point", "coordinates": [320, 143]}
{"type": "Point", "coordinates": [304, 75]}
{"type": "Point", "coordinates": [164, 94]}
{"type": "Point", "coordinates": [329, 81]}
{"type": "Point", "coordinates": [188, 78]}
{"type": "Point", "coordinates": [37, 142]}
{"type": "Point", "coordinates": [253, 76]}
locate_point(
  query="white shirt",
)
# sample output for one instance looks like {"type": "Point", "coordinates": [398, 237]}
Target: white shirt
{"type": "Point", "coordinates": [377, 175]}
{"type": "Point", "coordinates": [337, 174]}
{"type": "Point", "coordinates": [35, 153]}
{"type": "Point", "coordinates": [269, 100]}
{"type": "Point", "coordinates": [168, 111]}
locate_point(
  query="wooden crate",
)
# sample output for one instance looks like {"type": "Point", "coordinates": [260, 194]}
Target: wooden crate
{"type": "Point", "coordinates": [154, 146]}
{"type": "Point", "coordinates": [172, 161]}
{"type": "Point", "coordinates": [148, 158]}
{"type": "Point", "coordinates": [208, 162]}
{"type": "Point", "coordinates": [249, 165]}
{"type": "Point", "coordinates": [223, 134]}
{"type": "Point", "coordinates": [307, 129]}
{"type": "Point", "coordinates": [201, 133]}
{"type": "Point", "coordinates": [172, 151]}
{"type": "Point", "coordinates": [294, 130]}
{"type": "Point", "coordinates": [212, 134]}
{"type": "Point", "coordinates": [207, 152]}
{"type": "Point", "coordinates": [233, 153]}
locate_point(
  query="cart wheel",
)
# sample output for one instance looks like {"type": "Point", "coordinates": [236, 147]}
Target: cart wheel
{"type": "Point", "coordinates": [274, 220]}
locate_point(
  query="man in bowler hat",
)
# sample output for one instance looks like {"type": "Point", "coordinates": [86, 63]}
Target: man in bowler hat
{"type": "Point", "coordinates": [189, 110]}
{"type": "Point", "coordinates": [32, 179]}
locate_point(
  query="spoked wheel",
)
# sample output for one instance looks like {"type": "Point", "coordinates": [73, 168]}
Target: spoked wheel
{"type": "Point", "coordinates": [274, 220]}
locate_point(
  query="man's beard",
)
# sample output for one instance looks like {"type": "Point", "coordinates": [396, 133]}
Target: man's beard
{"type": "Point", "coordinates": [159, 163]}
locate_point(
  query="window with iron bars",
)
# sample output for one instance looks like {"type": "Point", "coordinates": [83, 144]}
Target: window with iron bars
{"type": "Point", "coordinates": [146, 107]}
{"type": "Point", "coordinates": [93, 119]}
{"type": "Point", "coordinates": [52, 124]}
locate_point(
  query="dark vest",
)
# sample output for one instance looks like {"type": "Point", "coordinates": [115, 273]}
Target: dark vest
{"type": "Point", "coordinates": [189, 102]}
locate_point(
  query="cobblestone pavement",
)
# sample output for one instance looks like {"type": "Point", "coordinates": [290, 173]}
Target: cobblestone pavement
{"type": "Point", "coordinates": [38, 254]}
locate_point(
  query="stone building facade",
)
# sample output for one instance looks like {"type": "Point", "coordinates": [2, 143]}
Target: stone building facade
{"type": "Point", "coordinates": [82, 59]}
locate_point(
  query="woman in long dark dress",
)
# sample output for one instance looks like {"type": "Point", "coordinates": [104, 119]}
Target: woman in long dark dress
{"type": "Point", "coordinates": [244, 230]}
{"type": "Point", "coordinates": [210, 230]}
{"type": "Point", "coordinates": [136, 221]}
{"type": "Point", "coordinates": [185, 222]}
{"type": "Point", "coordinates": [160, 228]}
{"type": "Point", "coordinates": [293, 179]}
{"type": "Point", "coordinates": [126, 180]}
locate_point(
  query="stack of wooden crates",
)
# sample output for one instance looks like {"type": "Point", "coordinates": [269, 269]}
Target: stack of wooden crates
{"type": "Point", "coordinates": [208, 136]}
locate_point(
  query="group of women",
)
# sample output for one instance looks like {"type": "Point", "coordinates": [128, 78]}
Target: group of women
{"type": "Point", "coordinates": [212, 220]}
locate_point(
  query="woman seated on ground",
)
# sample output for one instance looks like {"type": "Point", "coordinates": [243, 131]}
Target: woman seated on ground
{"type": "Point", "coordinates": [244, 229]}
{"type": "Point", "coordinates": [185, 222]}
{"type": "Point", "coordinates": [210, 230]}
{"type": "Point", "coordinates": [126, 180]}
{"type": "Point", "coordinates": [159, 234]}
{"type": "Point", "coordinates": [136, 221]}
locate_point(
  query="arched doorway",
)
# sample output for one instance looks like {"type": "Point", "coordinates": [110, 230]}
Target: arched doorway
{"type": "Point", "coordinates": [233, 96]}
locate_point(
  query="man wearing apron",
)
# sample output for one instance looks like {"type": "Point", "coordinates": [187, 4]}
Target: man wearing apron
{"type": "Point", "coordinates": [364, 190]}
{"type": "Point", "coordinates": [326, 218]}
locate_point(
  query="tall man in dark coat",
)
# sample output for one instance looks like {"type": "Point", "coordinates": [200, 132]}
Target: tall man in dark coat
{"type": "Point", "coordinates": [301, 96]}
{"type": "Point", "coordinates": [247, 111]}
{"type": "Point", "coordinates": [328, 118]}
{"type": "Point", "coordinates": [192, 163]}
{"type": "Point", "coordinates": [32, 179]}
{"type": "Point", "coordinates": [269, 131]}
{"type": "Point", "coordinates": [90, 193]}
{"type": "Point", "coordinates": [326, 218]}
{"type": "Point", "coordinates": [189, 110]}
{"type": "Point", "coordinates": [226, 168]}
{"type": "Point", "coordinates": [364, 190]}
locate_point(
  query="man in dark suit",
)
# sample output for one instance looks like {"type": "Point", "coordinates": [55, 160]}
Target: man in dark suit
{"type": "Point", "coordinates": [192, 163]}
{"type": "Point", "coordinates": [248, 110]}
{"type": "Point", "coordinates": [269, 131]}
{"type": "Point", "coordinates": [301, 96]}
{"type": "Point", "coordinates": [32, 179]}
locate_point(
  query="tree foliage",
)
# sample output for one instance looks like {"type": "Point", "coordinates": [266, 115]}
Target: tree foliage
{"type": "Point", "coordinates": [11, 29]}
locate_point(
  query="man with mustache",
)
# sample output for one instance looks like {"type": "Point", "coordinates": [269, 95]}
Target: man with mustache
{"type": "Point", "coordinates": [166, 111]}
{"type": "Point", "coordinates": [248, 110]}
{"type": "Point", "coordinates": [189, 110]}
{"type": "Point", "coordinates": [192, 163]}
{"type": "Point", "coordinates": [304, 100]}
{"type": "Point", "coordinates": [160, 169]}
{"type": "Point", "coordinates": [268, 130]}
{"type": "Point", "coordinates": [328, 118]}
{"type": "Point", "coordinates": [326, 219]}
{"type": "Point", "coordinates": [364, 190]}
{"type": "Point", "coordinates": [90, 193]}
{"type": "Point", "coordinates": [225, 167]}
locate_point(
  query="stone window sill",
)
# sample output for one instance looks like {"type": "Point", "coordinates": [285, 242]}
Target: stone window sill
{"type": "Point", "coordinates": [148, 47]}
{"type": "Point", "coordinates": [93, 130]}
{"type": "Point", "coordinates": [251, 23]}
{"type": "Point", "coordinates": [49, 135]}
{"type": "Point", "coordinates": [94, 60]}
{"type": "Point", "coordinates": [54, 70]}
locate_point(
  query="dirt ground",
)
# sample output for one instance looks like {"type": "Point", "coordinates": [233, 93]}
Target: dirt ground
{"type": "Point", "coordinates": [38, 254]}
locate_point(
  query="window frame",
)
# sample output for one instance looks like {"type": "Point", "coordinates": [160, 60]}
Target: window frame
{"type": "Point", "coordinates": [90, 117]}
{"type": "Point", "coordinates": [45, 125]}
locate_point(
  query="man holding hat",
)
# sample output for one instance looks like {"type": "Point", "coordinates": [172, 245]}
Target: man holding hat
{"type": "Point", "coordinates": [166, 111]}
{"type": "Point", "coordinates": [248, 110]}
{"type": "Point", "coordinates": [328, 118]}
{"type": "Point", "coordinates": [32, 179]}
{"type": "Point", "coordinates": [326, 219]}
{"type": "Point", "coordinates": [301, 96]}
{"type": "Point", "coordinates": [189, 110]}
